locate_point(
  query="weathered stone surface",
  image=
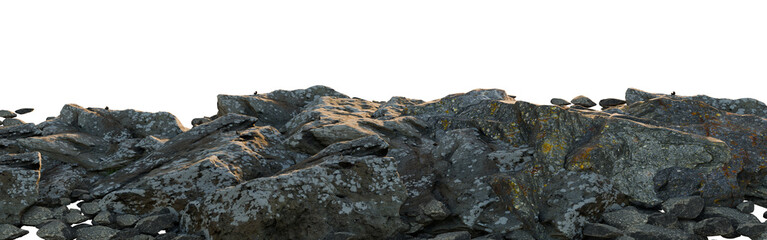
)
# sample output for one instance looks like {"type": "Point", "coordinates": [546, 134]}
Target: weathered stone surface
{"type": "Point", "coordinates": [661, 219]}
{"type": "Point", "coordinates": [19, 174]}
{"type": "Point", "coordinates": [684, 207]}
{"type": "Point", "coordinates": [19, 131]}
{"type": "Point", "coordinates": [583, 101]}
{"type": "Point", "coordinates": [625, 218]}
{"type": "Point", "coordinates": [153, 224]}
{"type": "Point", "coordinates": [738, 106]}
{"type": "Point", "coordinates": [559, 102]}
{"type": "Point", "coordinates": [96, 233]}
{"type": "Point", "coordinates": [395, 107]}
{"type": "Point", "coordinates": [361, 195]}
{"type": "Point", "coordinates": [24, 110]}
{"type": "Point", "coordinates": [714, 226]}
{"type": "Point", "coordinates": [8, 231]}
{"type": "Point", "coordinates": [601, 231]}
{"type": "Point", "coordinates": [103, 218]}
{"type": "Point", "coordinates": [57, 182]}
{"type": "Point", "coordinates": [55, 230]}
{"type": "Point", "coordinates": [36, 215]}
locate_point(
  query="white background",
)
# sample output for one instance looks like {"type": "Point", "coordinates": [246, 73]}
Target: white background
{"type": "Point", "coordinates": [176, 56]}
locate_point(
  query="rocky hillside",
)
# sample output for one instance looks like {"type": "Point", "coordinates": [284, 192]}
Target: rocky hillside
{"type": "Point", "coordinates": [317, 164]}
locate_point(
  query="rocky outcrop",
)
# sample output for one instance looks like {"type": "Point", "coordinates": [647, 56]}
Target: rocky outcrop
{"type": "Point", "coordinates": [316, 164]}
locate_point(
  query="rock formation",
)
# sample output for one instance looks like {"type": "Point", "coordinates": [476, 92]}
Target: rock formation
{"type": "Point", "coordinates": [317, 164]}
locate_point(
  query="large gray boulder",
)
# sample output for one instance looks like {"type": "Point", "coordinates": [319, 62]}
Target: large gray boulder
{"type": "Point", "coordinates": [359, 195]}
{"type": "Point", "coordinates": [19, 174]}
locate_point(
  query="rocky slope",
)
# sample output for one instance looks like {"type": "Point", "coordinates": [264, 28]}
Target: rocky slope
{"type": "Point", "coordinates": [317, 164]}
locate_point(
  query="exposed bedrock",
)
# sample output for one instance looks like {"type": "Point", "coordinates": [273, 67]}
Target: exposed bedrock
{"type": "Point", "coordinates": [317, 164]}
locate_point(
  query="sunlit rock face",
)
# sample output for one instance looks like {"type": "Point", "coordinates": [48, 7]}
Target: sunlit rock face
{"type": "Point", "coordinates": [317, 164]}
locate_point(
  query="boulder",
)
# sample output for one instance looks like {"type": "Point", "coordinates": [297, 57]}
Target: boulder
{"type": "Point", "coordinates": [738, 106]}
{"type": "Point", "coordinates": [598, 230]}
{"type": "Point", "coordinates": [736, 217]}
{"type": "Point", "coordinates": [745, 207]}
{"type": "Point", "coordinates": [625, 218]}
{"type": "Point", "coordinates": [12, 122]}
{"type": "Point", "coordinates": [583, 101]}
{"type": "Point", "coordinates": [611, 102]}
{"type": "Point", "coordinates": [646, 231]}
{"type": "Point", "coordinates": [127, 220]}
{"type": "Point", "coordinates": [360, 195]}
{"type": "Point", "coordinates": [752, 230]}
{"type": "Point", "coordinates": [36, 215]}
{"type": "Point", "coordinates": [55, 230]}
{"type": "Point", "coordinates": [684, 207]}
{"type": "Point", "coordinates": [559, 102]}
{"type": "Point", "coordinates": [661, 219]}
{"type": "Point", "coordinates": [19, 174]}
{"type": "Point", "coordinates": [96, 233]}
{"type": "Point", "coordinates": [714, 226]}
{"type": "Point", "coordinates": [7, 114]}
{"type": "Point", "coordinates": [74, 216]}
{"type": "Point", "coordinates": [453, 236]}
{"type": "Point", "coordinates": [8, 231]}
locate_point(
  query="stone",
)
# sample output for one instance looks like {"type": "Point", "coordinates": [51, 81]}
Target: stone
{"type": "Point", "coordinates": [96, 233]}
{"type": "Point", "coordinates": [661, 219]}
{"type": "Point", "coordinates": [24, 110]}
{"type": "Point", "coordinates": [625, 218]}
{"type": "Point", "coordinates": [89, 208]}
{"type": "Point", "coordinates": [55, 230]}
{"type": "Point", "coordinates": [104, 218]}
{"type": "Point", "coordinates": [200, 121]}
{"type": "Point", "coordinates": [519, 234]}
{"type": "Point", "coordinates": [714, 226]}
{"type": "Point", "coordinates": [583, 101]}
{"type": "Point", "coordinates": [736, 217]}
{"type": "Point", "coordinates": [599, 230]}
{"type": "Point", "coordinates": [36, 215]}
{"type": "Point", "coordinates": [57, 182]}
{"type": "Point", "coordinates": [126, 220]}
{"type": "Point", "coordinates": [7, 114]}
{"type": "Point", "coordinates": [333, 183]}
{"type": "Point", "coordinates": [752, 230]}
{"type": "Point", "coordinates": [8, 231]}
{"type": "Point", "coordinates": [559, 102]}
{"type": "Point", "coordinates": [646, 231]}
{"type": "Point", "coordinates": [684, 207]}
{"type": "Point", "coordinates": [74, 216]}
{"type": "Point", "coordinates": [153, 224]}
{"type": "Point", "coordinates": [436, 210]}
{"type": "Point", "coordinates": [19, 131]}
{"type": "Point", "coordinates": [12, 122]}
{"type": "Point", "coordinates": [59, 212]}
{"type": "Point", "coordinates": [746, 207]}
{"type": "Point", "coordinates": [19, 174]}
{"type": "Point", "coordinates": [453, 236]}
{"type": "Point", "coordinates": [611, 102]}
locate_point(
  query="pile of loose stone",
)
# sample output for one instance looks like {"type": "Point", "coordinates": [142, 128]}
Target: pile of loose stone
{"type": "Point", "coordinates": [9, 118]}
{"type": "Point", "coordinates": [317, 164]}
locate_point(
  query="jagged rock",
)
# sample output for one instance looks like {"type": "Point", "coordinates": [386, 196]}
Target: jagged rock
{"type": "Point", "coordinates": [200, 121]}
{"type": "Point", "coordinates": [8, 231]}
{"type": "Point", "coordinates": [661, 219]}
{"type": "Point", "coordinates": [583, 101]}
{"type": "Point", "coordinates": [746, 207]}
{"type": "Point", "coordinates": [436, 210]}
{"type": "Point", "coordinates": [19, 174]}
{"type": "Point", "coordinates": [395, 107]}
{"type": "Point", "coordinates": [96, 233]}
{"type": "Point", "coordinates": [625, 218]}
{"type": "Point", "coordinates": [126, 220]}
{"type": "Point", "coordinates": [752, 230]}
{"type": "Point", "coordinates": [713, 227]}
{"type": "Point", "coordinates": [360, 195]}
{"type": "Point", "coordinates": [453, 236]}
{"type": "Point", "coordinates": [684, 207]}
{"type": "Point", "coordinates": [559, 102]}
{"type": "Point", "coordinates": [215, 155]}
{"type": "Point", "coordinates": [646, 231]}
{"type": "Point", "coordinates": [24, 110]}
{"type": "Point", "coordinates": [739, 106]}
{"type": "Point", "coordinates": [89, 208]}
{"type": "Point", "coordinates": [55, 230]}
{"type": "Point", "coordinates": [12, 122]}
{"type": "Point", "coordinates": [57, 182]}
{"type": "Point", "coordinates": [276, 108]}
{"type": "Point", "coordinates": [611, 102]}
{"type": "Point", "coordinates": [19, 131]}
{"type": "Point", "coordinates": [36, 215]}
{"type": "Point", "coordinates": [74, 216]}
{"type": "Point", "coordinates": [599, 230]}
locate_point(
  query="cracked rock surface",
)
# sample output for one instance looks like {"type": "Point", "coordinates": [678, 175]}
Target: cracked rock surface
{"type": "Point", "coordinates": [317, 164]}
